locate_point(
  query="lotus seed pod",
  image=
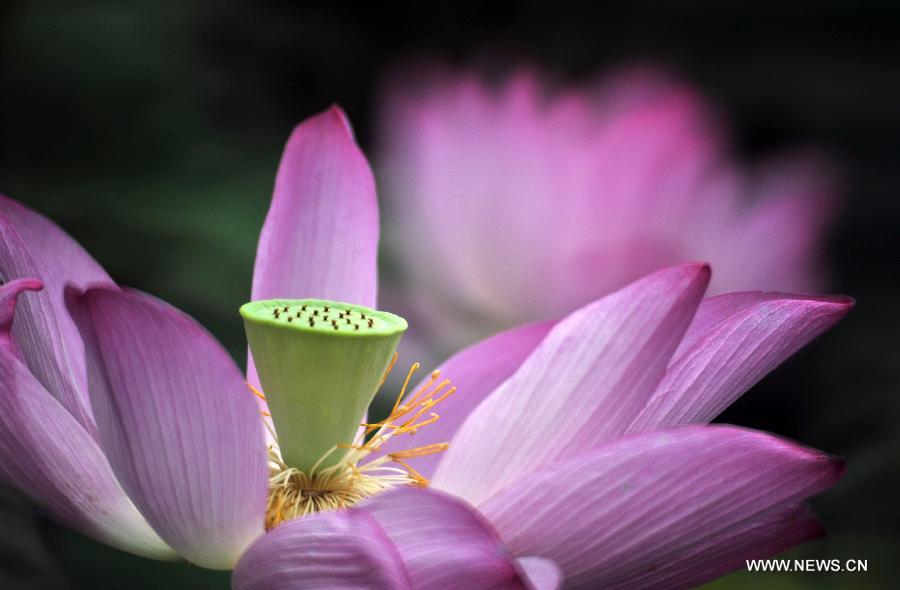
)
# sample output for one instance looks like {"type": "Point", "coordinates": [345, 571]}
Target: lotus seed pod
{"type": "Point", "coordinates": [320, 364]}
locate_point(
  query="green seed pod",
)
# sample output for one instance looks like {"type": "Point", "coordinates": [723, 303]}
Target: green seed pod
{"type": "Point", "coordinates": [320, 364]}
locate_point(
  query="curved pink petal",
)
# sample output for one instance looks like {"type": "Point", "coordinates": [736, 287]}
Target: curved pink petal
{"type": "Point", "coordinates": [735, 353]}
{"type": "Point", "coordinates": [320, 238]}
{"type": "Point", "coordinates": [583, 385]}
{"type": "Point", "coordinates": [344, 550]}
{"type": "Point", "coordinates": [46, 454]}
{"type": "Point", "coordinates": [665, 509]}
{"type": "Point", "coordinates": [9, 295]}
{"type": "Point", "coordinates": [475, 372]}
{"type": "Point", "coordinates": [32, 246]}
{"type": "Point", "coordinates": [444, 543]}
{"type": "Point", "coordinates": [177, 422]}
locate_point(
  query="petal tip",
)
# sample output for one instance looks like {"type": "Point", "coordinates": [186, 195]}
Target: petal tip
{"type": "Point", "coordinates": [9, 295]}
{"type": "Point", "coordinates": [335, 111]}
{"type": "Point", "coordinates": [700, 268]}
{"type": "Point", "coordinates": [836, 467]}
{"type": "Point", "coordinates": [844, 302]}
{"type": "Point", "coordinates": [698, 273]}
{"type": "Point", "coordinates": [330, 123]}
{"type": "Point", "coordinates": [24, 284]}
{"type": "Point", "coordinates": [10, 291]}
{"type": "Point", "coordinates": [834, 307]}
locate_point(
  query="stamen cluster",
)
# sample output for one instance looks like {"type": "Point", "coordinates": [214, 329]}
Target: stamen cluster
{"type": "Point", "coordinates": [294, 493]}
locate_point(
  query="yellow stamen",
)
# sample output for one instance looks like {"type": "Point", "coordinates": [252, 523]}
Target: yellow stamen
{"type": "Point", "coordinates": [419, 451]}
{"type": "Point", "coordinates": [388, 370]}
{"type": "Point", "coordinates": [294, 493]}
{"type": "Point", "coordinates": [256, 392]}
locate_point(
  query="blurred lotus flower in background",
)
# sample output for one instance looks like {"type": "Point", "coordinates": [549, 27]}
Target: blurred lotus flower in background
{"type": "Point", "coordinates": [578, 455]}
{"type": "Point", "coordinates": [512, 202]}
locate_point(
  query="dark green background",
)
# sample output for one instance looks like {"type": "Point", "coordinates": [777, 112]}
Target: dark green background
{"type": "Point", "coordinates": [151, 131]}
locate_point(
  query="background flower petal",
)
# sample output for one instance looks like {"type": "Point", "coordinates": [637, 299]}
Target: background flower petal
{"type": "Point", "coordinates": [735, 353]}
{"type": "Point", "coordinates": [776, 241]}
{"type": "Point", "coordinates": [177, 422]}
{"type": "Point", "coordinates": [628, 174]}
{"type": "Point", "coordinates": [652, 510]}
{"type": "Point", "coordinates": [583, 385]}
{"type": "Point", "coordinates": [444, 543]}
{"type": "Point", "coordinates": [48, 455]}
{"type": "Point", "coordinates": [32, 246]}
{"type": "Point", "coordinates": [329, 550]}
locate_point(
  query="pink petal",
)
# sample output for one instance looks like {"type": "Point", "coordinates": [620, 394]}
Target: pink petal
{"type": "Point", "coordinates": [475, 372]}
{"type": "Point", "coordinates": [9, 295]}
{"type": "Point", "coordinates": [32, 246]}
{"type": "Point", "coordinates": [665, 509]}
{"type": "Point", "coordinates": [542, 574]}
{"type": "Point", "coordinates": [329, 550]}
{"type": "Point", "coordinates": [714, 310]}
{"type": "Point", "coordinates": [755, 333]}
{"type": "Point", "coordinates": [320, 238]}
{"type": "Point", "coordinates": [48, 456]}
{"type": "Point", "coordinates": [583, 385]}
{"type": "Point", "coordinates": [445, 544]}
{"type": "Point", "coordinates": [177, 422]}
{"type": "Point", "coordinates": [757, 538]}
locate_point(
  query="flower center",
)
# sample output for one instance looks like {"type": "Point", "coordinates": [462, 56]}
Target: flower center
{"type": "Point", "coordinates": [362, 471]}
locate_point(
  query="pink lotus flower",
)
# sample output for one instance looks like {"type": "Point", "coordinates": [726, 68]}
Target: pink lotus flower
{"type": "Point", "coordinates": [511, 203]}
{"type": "Point", "coordinates": [578, 453]}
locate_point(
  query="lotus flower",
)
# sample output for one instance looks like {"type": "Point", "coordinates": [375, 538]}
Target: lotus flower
{"type": "Point", "coordinates": [578, 452]}
{"type": "Point", "coordinates": [512, 203]}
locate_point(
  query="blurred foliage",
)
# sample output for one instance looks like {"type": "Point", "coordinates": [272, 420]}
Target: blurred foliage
{"type": "Point", "coordinates": [151, 131]}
